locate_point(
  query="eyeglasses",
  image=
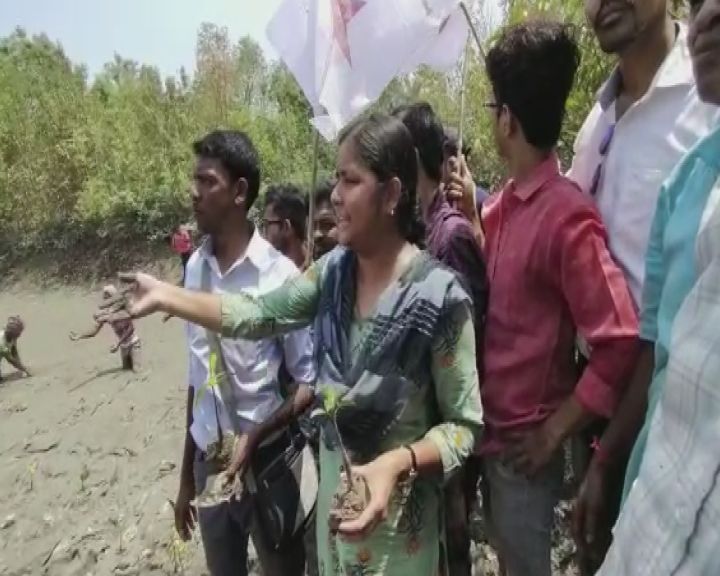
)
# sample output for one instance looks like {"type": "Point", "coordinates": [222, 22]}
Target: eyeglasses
{"type": "Point", "coordinates": [491, 105]}
{"type": "Point", "coordinates": [603, 150]}
{"type": "Point", "coordinates": [267, 223]}
{"type": "Point", "coordinates": [324, 225]}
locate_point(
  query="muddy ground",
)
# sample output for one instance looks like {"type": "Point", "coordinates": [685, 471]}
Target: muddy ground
{"type": "Point", "coordinates": [89, 455]}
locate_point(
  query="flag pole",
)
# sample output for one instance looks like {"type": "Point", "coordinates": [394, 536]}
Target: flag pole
{"type": "Point", "coordinates": [461, 122]}
{"type": "Point", "coordinates": [311, 199]}
{"type": "Point", "coordinates": [466, 54]}
{"type": "Point", "coordinates": [474, 31]}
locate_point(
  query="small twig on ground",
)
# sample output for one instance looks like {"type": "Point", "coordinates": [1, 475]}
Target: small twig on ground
{"type": "Point", "coordinates": [42, 449]}
{"type": "Point", "coordinates": [52, 551]}
{"type": "Point", "coordinates": [97, 407]}
{"type": "Point", "coordinates": [164, 414]}
{"type": "Point", "coordinates": [123, 451]}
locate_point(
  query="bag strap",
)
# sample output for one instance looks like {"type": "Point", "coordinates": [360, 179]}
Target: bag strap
{"type": "Point", "coordinates": [226, 393]}
{"type": "Point", "coordinates": [213, 340]}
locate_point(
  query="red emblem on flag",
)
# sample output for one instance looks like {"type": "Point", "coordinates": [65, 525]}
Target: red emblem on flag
{"type": "Point", "coordinates": [342, 12]}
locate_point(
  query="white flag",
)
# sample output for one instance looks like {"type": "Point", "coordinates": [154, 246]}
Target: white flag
{"type": "Point", "coordinates": [344, 53]}
{"type": "Point", "coordinates": [444, 50]}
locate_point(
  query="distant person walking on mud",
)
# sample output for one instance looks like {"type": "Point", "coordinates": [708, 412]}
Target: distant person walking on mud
{"type": "Point", "coordinates": [182, 244]}
{"type": "Point", "coordinates": [128, 341]}
{"type": "Point", "coordinates": [8, 345]}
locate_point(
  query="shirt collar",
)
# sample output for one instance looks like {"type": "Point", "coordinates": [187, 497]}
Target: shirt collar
{"type": "Point", "coordinates": [676, 70]}
{"type": "Point", "coordinates": [257, 252]}
{"type": "Point", "coordinates": [542, 174]}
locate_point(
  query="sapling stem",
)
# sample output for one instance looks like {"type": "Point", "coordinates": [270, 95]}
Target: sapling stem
{"type": "Point", "coordinates": [343, 452]}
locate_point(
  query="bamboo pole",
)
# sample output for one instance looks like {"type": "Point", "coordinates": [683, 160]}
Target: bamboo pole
{"type": "Point", "coordinates": [461, 122]}
{"type": "Point", "coordinates": [311, 200]}
{"type": "Point", "coordinates": [474, 31]}
{"type": "Point", "coordinates": [463, 79]}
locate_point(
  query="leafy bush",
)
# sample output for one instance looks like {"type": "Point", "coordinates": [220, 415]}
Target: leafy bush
{"type": "Point", "coordinates": [105, 163]}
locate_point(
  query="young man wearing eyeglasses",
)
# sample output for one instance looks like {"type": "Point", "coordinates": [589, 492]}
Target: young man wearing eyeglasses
{"type": "Point", "coordinates": [284, 222]}
{"type": "Point", "coordinates": [551, 277]}
{"type": "Point", "coordinates": [648, 115]}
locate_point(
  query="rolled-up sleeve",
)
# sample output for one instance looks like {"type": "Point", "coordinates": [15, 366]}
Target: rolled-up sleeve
{"type": "Point", "coordinates": [299, 359]}
{"type": "Point", "coordinates": [601, 307]}
{"type": "Point", "coordinates": [654, 271]}
{"type": "Point", "coordinates": [457, 389]}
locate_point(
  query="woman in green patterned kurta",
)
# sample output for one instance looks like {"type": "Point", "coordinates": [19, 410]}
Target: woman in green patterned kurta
{"type": "Point", "coordinates": [394, 335]}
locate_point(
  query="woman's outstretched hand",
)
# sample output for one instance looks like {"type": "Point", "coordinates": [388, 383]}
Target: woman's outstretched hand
{"type": "Point", "coordinates": [140, 295]}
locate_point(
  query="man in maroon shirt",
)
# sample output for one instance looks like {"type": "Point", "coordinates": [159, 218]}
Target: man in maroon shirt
{"type": "Point", "coordinates": [551, 277]}
{"type": "Point", "coordinates": [449, 238]}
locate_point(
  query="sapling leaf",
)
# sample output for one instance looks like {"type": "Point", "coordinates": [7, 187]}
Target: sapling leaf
{"type": "Point", "coordinates": [333, 401]}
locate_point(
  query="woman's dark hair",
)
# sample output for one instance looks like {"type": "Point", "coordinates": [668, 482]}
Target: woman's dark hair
{"type": "Point", "coordinates": [427, 134]}
{"type": "Point", "coordinates": [385, 147]}
{"type": "Point", "coordinates": [289, 203]}
{"type": "Point", "coordinates": [532, 69]}
{"type": "Point", "coordinates": [236, 152]}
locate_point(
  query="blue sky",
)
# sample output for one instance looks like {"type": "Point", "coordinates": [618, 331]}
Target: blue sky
{"type": "Point", "coordinates": [161, 33]}
{"type": "Point", "coordinates": [157, 32]}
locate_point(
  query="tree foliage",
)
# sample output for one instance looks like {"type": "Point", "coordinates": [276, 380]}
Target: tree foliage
{"type": "Point", "coordinates": [105, 161]}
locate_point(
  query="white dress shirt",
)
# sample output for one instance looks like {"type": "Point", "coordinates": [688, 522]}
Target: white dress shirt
{"type": "Point", "coordinates": [649, 140]}
{"type": "Point", "coordinates": [253, 366]}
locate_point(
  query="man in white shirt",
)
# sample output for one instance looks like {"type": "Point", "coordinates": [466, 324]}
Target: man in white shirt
{"type": "Point", "coordinates": [236, 258]}
{"type": "Point", "coordinates": [648, 115]}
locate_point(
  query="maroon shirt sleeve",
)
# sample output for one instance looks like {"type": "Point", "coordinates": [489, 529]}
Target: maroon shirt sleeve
{"type": "Point", "coordinates": [461, 253]}
{"type": "Point", "coordinates": [601, 307]}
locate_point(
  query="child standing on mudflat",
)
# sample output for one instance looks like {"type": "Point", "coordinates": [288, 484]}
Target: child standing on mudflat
{"type": "Point", "coordinates": [128, 341]}
{"type": "Point", "coordinates": [8, 344]}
